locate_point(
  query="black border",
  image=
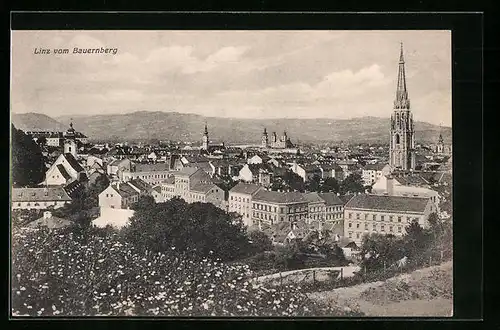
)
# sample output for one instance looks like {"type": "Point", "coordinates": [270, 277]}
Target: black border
{"type": "Point", "coordinates": [467, 55]}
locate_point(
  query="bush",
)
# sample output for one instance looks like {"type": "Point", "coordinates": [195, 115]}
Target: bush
{"type": "Point", "coordinates": [56, 273]}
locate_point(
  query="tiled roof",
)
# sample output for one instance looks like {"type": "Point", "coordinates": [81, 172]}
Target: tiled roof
{"type": "Point", "coordinates": [331, 198]}
{"type": "Point", "coordinates": [202, 187]}
{"type": "Point", "coordinates": [39, 194]}
{"type": "Point", "coordinates": [279, 197]}
{"type": "Point", "coordinates": [388, 203]}
{"type": "Point", "coordinates": [346, 198]}
{"type": "Point", "coordinates": [125, 190]}
{"type": "Point", "coordinates": [187, 171]}
{"type": "Point", "coordinates": [169, 180]}
{"type": "Point", "coordinates": [245, 188]}
{"type": "Point", "coordinates": [203, 165]}
{"type": "Point", "coordinates": [141, 185]}
{"type": "Point", "coordinates": [411, 180]}
{"type": "Point", "coordinates": [73, 162]}
{"type": "Point", "coordinates": [157, 189]}
{"type": "Point", "coordinates": [157, 167]}
{"type": "Point", "coordinates": [63, 172]}
{"type": "Point", "coordinates": [374, 167]}
{"type": "Point", "coordinates": [313, 197]}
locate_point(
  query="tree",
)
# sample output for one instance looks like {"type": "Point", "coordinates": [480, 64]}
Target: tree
{"type": "Point", "coordinates": [294, 181]}
{"type": "Point", "coordinates": [314, 184]}
{"type": "Point", "coordinates": [200, 229]}
{"type": "Point", "coordinates": [41, 141]}
{"type": "Point", "coordinates": [352, 184]}
{"type": "Point", "coordinates": [28, 168]}
{"type": "Point", "coordinates": [260, 241]}
{"type": "Point", "coordinates": [330, 185]}
{"type": "Point", "coordinates": [378, 250]}
{"type": "Point", "coordinates": [417, 241]}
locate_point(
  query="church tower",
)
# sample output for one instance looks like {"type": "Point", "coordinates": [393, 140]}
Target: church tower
{"type": "Point", "coordinates": [265, 139]}
{"type": "Point", "coordinates": [402, 144]}
{"type": "Point", "coordinates": [205, 140]}
{"type": "Point", "coordinates": [70, 146]}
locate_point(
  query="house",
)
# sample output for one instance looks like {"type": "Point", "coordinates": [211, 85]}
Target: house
{"type": "Point", "coordinates": [240, 200]}
{"type": "Point", "coordinates": [258, 159]}
{"type": "Point", "coordinates": [205, 166]}
{"type": "Point", "coordinates": [117, 166]}
{"type": "Point", "coordinates": [273, 206]}
{"type": "Point", "coordinates": [49, 221]}
{"type": "Point", "coordinates": [409, 185]}
{"type": "Point", "coordinates": [257, 173]}
{"type": "Point", "coordinates": [306, 172]}
{"type": "Point", "coordinates": [156, 193]}
{"type": "Point", "coordinates": [372, 172]}
{"type": "Point", "coordinates": [39, 198]}
{"type": "Point", "coordinates": [152, 174]}
{"type": "Point", "coordinates": [153, 156]}
{"type": "Point", "coordinates": [324, 207]}
{"type": "Point", "coordinates": [193, 185]}
{"type": "Point", "coordinates": [64, 170]}
{"type": "Point", "coordinates": [367, 213]}
{"type": "Point", "coordinates": [119, 195]}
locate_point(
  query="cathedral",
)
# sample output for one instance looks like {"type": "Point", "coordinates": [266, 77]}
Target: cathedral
{"type": "Point", "coordinates": [402, 143]}
{"type": "Point", "coordinates": [282, 143]}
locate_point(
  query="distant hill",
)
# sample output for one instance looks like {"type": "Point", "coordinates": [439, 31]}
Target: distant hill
{"type": "Point", "coordinates": [189, 127]}
{"type": "Point", "coordinates": [36, 122]}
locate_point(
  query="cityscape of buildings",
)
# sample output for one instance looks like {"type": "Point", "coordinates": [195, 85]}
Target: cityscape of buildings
{"type": "Point", "coordinates": [401, 183]}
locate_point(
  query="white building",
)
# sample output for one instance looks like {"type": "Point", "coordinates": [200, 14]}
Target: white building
{"type": "Point", "coordinates": [240, 200]}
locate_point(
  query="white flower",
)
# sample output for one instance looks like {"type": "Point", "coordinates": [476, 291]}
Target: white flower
{"type": "Point", "coordinates": [53, 307]}
{"type": "Point", "coordinates": [100, 260]}
{"type": "Point", "coordinates": [205, 305]}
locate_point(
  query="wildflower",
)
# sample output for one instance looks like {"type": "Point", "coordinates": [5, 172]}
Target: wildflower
{"type": "Point", "coordinates": [100, 260]}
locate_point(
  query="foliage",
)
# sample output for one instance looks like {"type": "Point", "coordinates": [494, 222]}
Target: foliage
{"type": "Point", "coordinates": [330, 185]}
{"type": "Point", "coordinates": [27, 161]}
{"type": "Point", "coordinates": [352, 184]}
{"type": "Point", "coordinates": [55, 273]}
{"type": "Point", "coordinates": [260, 241]}
{"type": "Point", "coordinates": [293, 181]}
{"type": "Point", "coordinates": [197, 227]}
{"type": "Point", "coordinates": [314, 184]}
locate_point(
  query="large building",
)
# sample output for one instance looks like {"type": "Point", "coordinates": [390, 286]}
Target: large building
{"type": "Point", "coordinates": [283, 142]}
{"type": "Point", "coordinates": [384, 214]}
{"type": "Point", "coordinates": [240, 200]}
{"type": "Point", "coordinates": [64, 170]}
{"type": "Point", "coordinates": [402, 142]}
{"type": "Point", "coordinates": [272, 207]}
{"type": "Point", "coordinates": [39, 198]}
{"type": "Point", "coordinates": [193, 185]}
{"type": "Point", "coordinates": [121, 195]}
{"type": "Point", "coordinates": [325, 207]}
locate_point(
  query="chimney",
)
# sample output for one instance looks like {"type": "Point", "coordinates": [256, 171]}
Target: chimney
{"type": "Point", "coordinates": [47, 215]}
{"type": "Point", "coordinates": [390, 185]}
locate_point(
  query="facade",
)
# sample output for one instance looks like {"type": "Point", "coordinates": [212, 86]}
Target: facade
{"type": "Point", "coordinates": [257, 173]}
{"type": "Point", "coordinates": [193, 185]}
{"type": "Point", "coordinates": [39, 198]}
{"type": "Point", "coordinates": [272, 207]}
{"type": "Point", "coordinates": [406, 186]}
{"type": "Point", "coordinates": [373, 172]}
{"type": "Point", "coordinates": [56, 139]}
{"type": "Point", "coordinates": [240, 200]}
{"type": "Point", "coordinates": [306, 172]}
{"type": "Point", "coordinates": [366, 213]}
{"type": "Point", "coordinates": [441, 147]}
{"type": "Point", "coordinates": [402, 142]}
{"type": "Point", "coordinates": [116, 166]}
{"type": "Point", "coordinates": [324, 207]}
{"type": "Point", "coordinates": [283, 142]}
{"type": "Point", "coordinates": [64, 170]}
{"type": "Point", "coordinates": [119, 195]}
{"type": "Point", "coordinates": [70, 145]}
{"type": "Point", "coordinates": [152, 174]}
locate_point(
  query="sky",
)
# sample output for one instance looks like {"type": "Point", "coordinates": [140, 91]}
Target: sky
{"type": "Point", "coordinates": [242, 74]}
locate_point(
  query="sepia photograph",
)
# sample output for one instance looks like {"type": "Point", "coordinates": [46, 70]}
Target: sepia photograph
{"type": "Point", "coordinates": [231, 173]}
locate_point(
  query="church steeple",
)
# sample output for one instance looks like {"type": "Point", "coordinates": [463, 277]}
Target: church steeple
{"type": "Point", "coordinates": [206, 129]}
{"type": "Point", "coordinates": [402, 101]}
{"type": "Point", "coordinates": [205, 140]}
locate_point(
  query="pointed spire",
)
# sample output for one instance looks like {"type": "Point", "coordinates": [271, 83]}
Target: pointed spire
{"type": "Point", "coordinates": [402, 101]}
{"type": "Point", "coordinates": [206, 129]}
{"type": "Point", "coordinates": [265, 131]}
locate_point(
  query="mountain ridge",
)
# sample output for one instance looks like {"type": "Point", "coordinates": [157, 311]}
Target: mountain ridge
{"type": "Point", "coordinates": [143, 125]}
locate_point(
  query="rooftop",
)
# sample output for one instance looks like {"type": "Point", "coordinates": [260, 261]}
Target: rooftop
{"type": "Point", "coordinates": [245, 188]}
{"type": "Point", "coordinates": [279, 197]}
{"type": "Point", "coordinates": [39, 194]}
{"type": "Point", "coordinates": [388, 203]}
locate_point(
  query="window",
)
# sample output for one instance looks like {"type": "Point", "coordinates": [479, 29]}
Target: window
{"type": "Point", "coordinates": [350, 216]}
{"type": "Point", "coordinates": [281, 210]}
{"type": "Point", "coordinates": [399, 229]}
{"type": "Point", "coordinates": [366, 225]}
{"type": "Point", "coordinates": [357, 235]}
{"type": "Point", "coordinates": [350, 224]}
{"type": "Point", "coordinates": [107, 195]}
{"type": "Point", "coordinates": [382, 228]}
{"type": "Point", "coordinates": [357, 216]}
{"type": "Point", "coordinates": [415, 219]}
{"type": "Point", "coordinates": [231, 197]}
{"type": "Point", "coordinates": [399, 219]}
{"type": "Point", "coordinates": [350, 235]}
{"type": "Point", "coordinates": [366, 216]}
{"type": "Point", "coordinates": [391, 229]}
{"type": "Point", "coordinates": [357, 225]}
{"type": "Point", "coordinates": [382, 217]}
{"type": "Point", "coordinates": [18, 204]}
{"type": "Point", "coordinates": [374, 217]}
{"type": "Point", "coordinates": [391, 218]}
{"type": "Point", "coordinates": [374, 227]}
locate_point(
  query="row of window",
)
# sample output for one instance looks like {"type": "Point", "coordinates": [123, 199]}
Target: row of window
{"type": "Point", "coordinates": [374, 227]}
{"type": "Point", "coordinates": [381, 217]}
{"type": "Point", "coordinates": [269, 208]}
{"type": "Point", "coordinates": [44, 203]}
{"type": "Point", "coordinates": [359, 234]}
{"type": "Point", "coordinates": [325, 209]}
{"type": "Point", "coordinates": [240, 199]}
